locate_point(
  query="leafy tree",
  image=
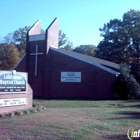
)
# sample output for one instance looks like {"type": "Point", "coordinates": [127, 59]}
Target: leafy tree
{"type": "Point", "coordinates": [62, 38]}
{"type": "Point", "coordinates": [121, 41]}
{"type": "Point", "coordinates": [68, 46]}
{"type": "Point", "coordinates": [15, 46]}
{"type": "Point", "coordinates": [86, 49]}
{"type": "Point", "coordinates": [9, 56]}
{"type": "Point", "coordinates": [8, 38]}
{"type": "Point", "coordinates": [19, 38]}
{"type": "Point", "coordinates": [63, 41]}
{"type": "Point", "coordinates": [126, 86]}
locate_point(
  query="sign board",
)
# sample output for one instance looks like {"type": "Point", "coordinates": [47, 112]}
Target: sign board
{"type": "Point", "coordinates": [13, 82]}
{"type": "Point", "coordinates": [13, 102]}
{"type": "Point", "coordinates": [70, 76]}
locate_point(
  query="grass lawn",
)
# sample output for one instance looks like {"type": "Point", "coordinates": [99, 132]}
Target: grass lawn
{"type": "Point", "coordinates": [74, 120]}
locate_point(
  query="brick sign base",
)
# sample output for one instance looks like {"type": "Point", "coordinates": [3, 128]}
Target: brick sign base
{"type": "Point", "coordinates": [28, 96]}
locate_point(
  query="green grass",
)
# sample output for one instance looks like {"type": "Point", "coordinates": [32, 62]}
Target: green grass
{"type": "Point", "coordinates": [74, 120]}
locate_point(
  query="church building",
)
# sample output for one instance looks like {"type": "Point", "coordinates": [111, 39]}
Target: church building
{"type": "Point", "coordinates": [55, 73]}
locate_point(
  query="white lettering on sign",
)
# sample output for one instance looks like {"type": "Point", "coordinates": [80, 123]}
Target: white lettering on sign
{"type": "Point", "coordinates": [70, 76]}
{"type": "Point", "coordinates": [13, 83]}
{"type": "Point", "coordinates": [13, 102]}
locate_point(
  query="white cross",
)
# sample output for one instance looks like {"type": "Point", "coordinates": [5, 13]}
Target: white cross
{"type": "Point", "coordinates": [36, 58]}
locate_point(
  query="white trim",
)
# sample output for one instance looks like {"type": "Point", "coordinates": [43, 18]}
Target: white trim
{"type": "Point", "coordinates": [54, 47]}
{"type": "Point", "coordinates": [84, 60]}
{"type": "Point", "coordinates": [37, 37]}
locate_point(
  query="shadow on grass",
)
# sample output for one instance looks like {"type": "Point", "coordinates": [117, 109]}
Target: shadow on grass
{"type": "Point", "coordinates": [130, 101]}
{"type": "Point", "coordinates": [128, 115]}
{"type": "Point", "coordinates": [137, 106]}
{"type": "Point", "coordinates": [126, 104]}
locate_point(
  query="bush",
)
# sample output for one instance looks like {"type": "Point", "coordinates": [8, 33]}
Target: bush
{"type": "Point", "coordinates": [18, 113]}
{"type": "Point", "coordinates": [2, 116]}
{"type": "Point", "coordinates": [35, 109]}
{"type": "Point", "coordinates": [126, 86]}
{"type": "Point", "coordinates": [10, 114]}
{"type": "Point", "coordinates": [26, 112]}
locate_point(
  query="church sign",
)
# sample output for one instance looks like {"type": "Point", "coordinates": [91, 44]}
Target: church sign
{"type": "Point", "coordinates": [13, 82]}
{"type": "Point", "coordinates": [70, 76]}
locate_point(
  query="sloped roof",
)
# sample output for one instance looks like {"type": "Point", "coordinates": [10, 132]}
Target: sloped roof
{"type": "Point", "coordinates": [103, 64]}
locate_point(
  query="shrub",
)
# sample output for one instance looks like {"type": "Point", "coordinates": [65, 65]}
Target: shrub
{"type": "Point", "coordinates": [126, 86]}
{"type": "Point", "coordinates": [10, 114]}
{"type": "Point", "coordinates": [2, 116]}
{"type": "Point", "coordinates": [39, 109]}
{"type": "Point", "coordinates": [18, 113]}
{"type": "Point", "coordinates": [26, 112]}
{"type": "Point", "coordinates": [33, 110]}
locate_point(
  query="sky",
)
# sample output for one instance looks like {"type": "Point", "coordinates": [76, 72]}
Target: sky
{"type": "Point", "coordinates": [80, 20]}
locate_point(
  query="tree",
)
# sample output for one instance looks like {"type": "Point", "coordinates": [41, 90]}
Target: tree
{"type": "Point", "coordinates": [9, 56]}
{"type": "Point", "coordinates": [126, 86]}
{"type": "Point", "coordinates": [8, 38]}
{"type": "Point", "coordinates": [63, 41]}
{"type": "Point", "coordinates": [19, 38]}
{"type": "Point", "coordinates": [86, 49]}
{"type": "Point", "coordinates": [62, 38]}
{"type": "Point", "coordinates": [121, 41]}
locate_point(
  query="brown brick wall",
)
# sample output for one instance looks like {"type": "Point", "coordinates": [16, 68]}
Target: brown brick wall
{"type": "Point", "coordinates": [36, 29]}
{"type": "Point", "coordinates": [53, 34]}
{"type": "Point", "coordinates": [21, 67]}
{"type": "Point", "coordinates": [95, 82]}
{"type": "Point", "coordinates": [28, 95]}
{"type": "Point", "coordinates": [36, 82]}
